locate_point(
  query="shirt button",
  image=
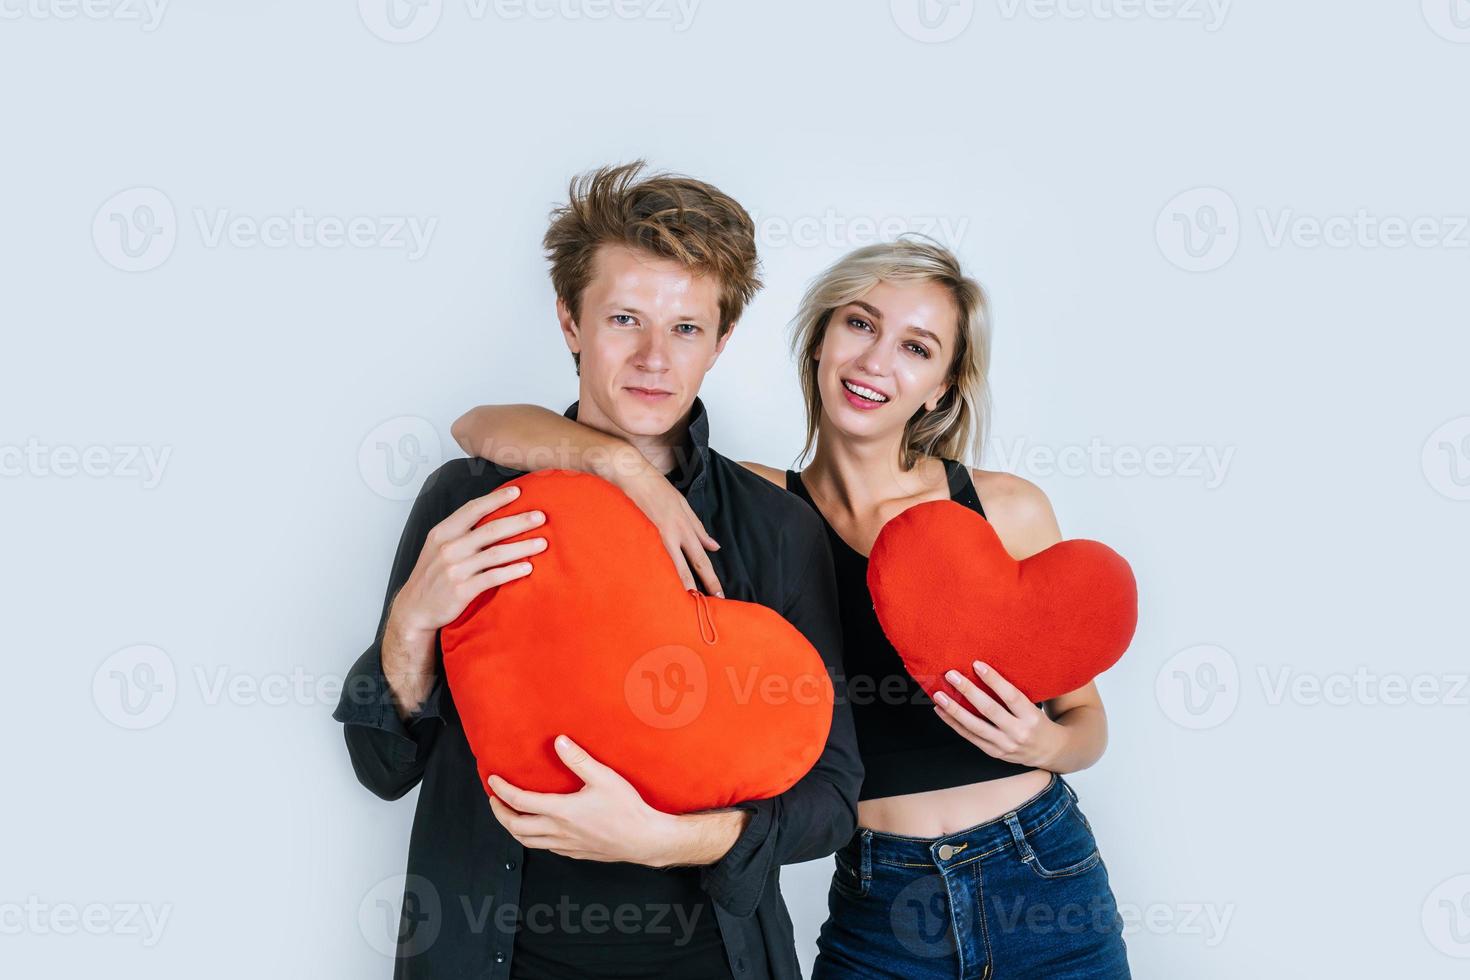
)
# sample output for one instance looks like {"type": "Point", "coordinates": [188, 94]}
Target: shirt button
{"type": "Point", "coordinates": [946, 851]}
{"type": "Point", "coordinates": [500, 957]}
{"type": "Point", "coordinates": [740, 963]}
{"type": "Point", "coordinates": [510, 865]}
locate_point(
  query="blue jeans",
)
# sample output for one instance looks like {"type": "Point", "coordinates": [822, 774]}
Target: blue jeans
{"type": "Point", "coordinates": [1024, 895]}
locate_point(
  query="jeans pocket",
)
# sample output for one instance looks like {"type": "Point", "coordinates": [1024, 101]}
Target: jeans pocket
{"type": "Point", "coordinates": [848, 878]}
{"type": "Point", "coordinates": [1064, 847]}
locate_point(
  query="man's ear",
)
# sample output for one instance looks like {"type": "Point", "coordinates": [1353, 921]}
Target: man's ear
{"type": "Point", "coordinates": [720, 346]}
{"type": "Point", "coordinates": [570, 332]}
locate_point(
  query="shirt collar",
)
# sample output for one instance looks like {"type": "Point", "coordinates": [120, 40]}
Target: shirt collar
{"type": "Point", "coordinates": [691, 461]}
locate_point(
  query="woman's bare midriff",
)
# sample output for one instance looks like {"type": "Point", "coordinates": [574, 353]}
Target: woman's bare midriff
{"type": "Point", "coordinates": [942, 812]}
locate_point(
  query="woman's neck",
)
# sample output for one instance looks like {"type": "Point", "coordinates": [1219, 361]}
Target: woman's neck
{"type": "Point", "coordinates": [856, 477]}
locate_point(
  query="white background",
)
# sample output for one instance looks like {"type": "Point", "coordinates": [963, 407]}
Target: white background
{"type": "Point", "coordinates": [1136, 185]}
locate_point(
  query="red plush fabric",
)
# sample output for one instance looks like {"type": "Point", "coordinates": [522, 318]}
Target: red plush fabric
{"type": "Point", "coordinates": [698, 702]}
{"type": "Point", "coordinates": [947, 594]}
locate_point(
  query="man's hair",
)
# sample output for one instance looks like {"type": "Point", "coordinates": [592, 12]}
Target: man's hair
{"type": "Point", "coordinates": [669, 215]}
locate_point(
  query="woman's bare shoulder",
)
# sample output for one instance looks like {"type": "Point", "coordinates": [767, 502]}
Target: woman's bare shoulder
{"type": "Point", "coordinates": [778, 477]}
{"type": "Point", "coordinates": [1019, 511]}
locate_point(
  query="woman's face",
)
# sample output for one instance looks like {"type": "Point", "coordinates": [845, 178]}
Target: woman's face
{"type": "Point", "coordinates": [886, 355]}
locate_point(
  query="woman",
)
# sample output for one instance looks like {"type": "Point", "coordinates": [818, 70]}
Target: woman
{"type": "Point", "coordinates": [971, 858]}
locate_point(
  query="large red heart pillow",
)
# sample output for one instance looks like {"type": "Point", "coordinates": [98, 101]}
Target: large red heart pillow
{"type": "Point", "coordinates": [698, 702]}
{"type": "Point", "coordinates": [947, 594]}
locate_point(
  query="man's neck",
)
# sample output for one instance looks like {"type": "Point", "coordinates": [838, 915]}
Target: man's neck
{"type": "Point", "coordinates": [660, 450]}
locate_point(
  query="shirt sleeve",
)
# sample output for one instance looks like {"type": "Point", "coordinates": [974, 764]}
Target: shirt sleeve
{"type": "Point", "coordinates": [817, 815]}
{"type": "Point", "coordinates": [388, 753]}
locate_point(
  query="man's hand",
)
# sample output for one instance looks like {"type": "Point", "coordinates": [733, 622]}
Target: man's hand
{"type": "Point", "coordinates": [458, 562]}
{"type": "Point", "coordinates": [606, 820]}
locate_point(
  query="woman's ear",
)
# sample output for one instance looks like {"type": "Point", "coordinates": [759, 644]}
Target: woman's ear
{"type": "Point", "coordinates": [931, 403]}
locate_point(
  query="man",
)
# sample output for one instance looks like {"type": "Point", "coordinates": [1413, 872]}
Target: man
{"type": "Point", "coordinates": [651, 275]}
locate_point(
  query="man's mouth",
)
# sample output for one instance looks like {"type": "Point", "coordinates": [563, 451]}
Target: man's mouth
{"type": "Point", "coordinates": [862, 395]}
{"type": "Point", "coordinates": [650, 394]}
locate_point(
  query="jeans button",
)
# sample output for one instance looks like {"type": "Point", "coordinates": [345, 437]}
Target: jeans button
{"type": "Point", "coordinates": [946, 851]}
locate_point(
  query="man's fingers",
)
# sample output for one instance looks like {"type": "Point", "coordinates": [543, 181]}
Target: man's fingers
{"type": "Point", "coordinates": [525, 800]}
{"type": "Point", "coordinates": [491, 577]}
{"type": "Point", "coordinates": [521, 824]}
{"type": "Point", "coordinates": [504, 554]}
{"type": "Point", "coordinates": [578, 761]}
{"type": "Point", "coordinates": [501, 528]}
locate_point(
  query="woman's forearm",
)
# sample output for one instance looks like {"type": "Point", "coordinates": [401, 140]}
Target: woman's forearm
{"type": "Point", "coordinates": [1086, 729]}
{"type": "Point", "coordinates": [529, 437]}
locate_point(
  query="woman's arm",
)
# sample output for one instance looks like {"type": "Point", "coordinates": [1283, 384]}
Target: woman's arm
{"type": "Point", "coordinates": [530, 438]}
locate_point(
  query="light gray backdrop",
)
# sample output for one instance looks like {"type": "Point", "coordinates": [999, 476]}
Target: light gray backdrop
{"type": "Point", "coordinates": [257, 257]}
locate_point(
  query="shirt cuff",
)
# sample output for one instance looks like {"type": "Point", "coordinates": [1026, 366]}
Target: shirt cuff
{"type": "Point", "coordinates": [737, 880]}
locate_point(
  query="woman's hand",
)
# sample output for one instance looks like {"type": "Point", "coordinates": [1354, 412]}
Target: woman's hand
{"type": "Point", "coordinates": [1011, 729]}
{"type": "Point", "coordinates": [683, 534]}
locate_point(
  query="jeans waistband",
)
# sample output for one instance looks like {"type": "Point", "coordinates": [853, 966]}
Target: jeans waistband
{"type": "Point", "coordinates": [870, 847]}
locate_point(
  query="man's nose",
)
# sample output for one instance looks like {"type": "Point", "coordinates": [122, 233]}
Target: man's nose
{"type": "Point", "coordinates": [653, 351]}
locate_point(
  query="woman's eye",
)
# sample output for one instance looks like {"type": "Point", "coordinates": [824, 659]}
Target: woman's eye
{"type": "Point", "coordinates": [858, 322]}
{"type": "Point", "coordinates": [919, 349]}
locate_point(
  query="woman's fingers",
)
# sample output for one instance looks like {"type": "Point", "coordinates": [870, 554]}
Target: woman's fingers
{"type": "Point", "coordinates": [987, 745]}
{"type": "Point", "coordinates": [962, 719]}
{"type": "Point", "coordinates": [984, 703]}
{"type": "Point", "coordinates": [704, 568]}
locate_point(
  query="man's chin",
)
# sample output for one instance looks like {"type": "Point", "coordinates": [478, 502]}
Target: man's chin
{"type": "Point", "coordinates": [640, 417]}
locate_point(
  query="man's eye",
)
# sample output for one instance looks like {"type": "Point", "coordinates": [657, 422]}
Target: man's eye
{"type": "Point", "coordinates": [622, 319]}
{"type": "Point", "coordinates": [692, 328]}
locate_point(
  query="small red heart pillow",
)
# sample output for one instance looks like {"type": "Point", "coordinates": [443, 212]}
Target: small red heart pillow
{"type": "Point", "coordinates": [947, 594]}
{"type": "Point", "coordinates": [698, 702]}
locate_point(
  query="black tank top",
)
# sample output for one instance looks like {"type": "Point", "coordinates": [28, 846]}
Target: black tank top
{"type": "Point", "coordinates": [905, 747]}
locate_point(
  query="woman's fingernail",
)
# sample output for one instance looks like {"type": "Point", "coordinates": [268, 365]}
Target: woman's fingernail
{"type": "Point", "coordinates": [980, 668]}
{"type": "Point", "coordinates": [719, 595]}
{"type": "Point", "coordinates": [941, 697]}
{"type": "Point", "coordinates": [953, 676]}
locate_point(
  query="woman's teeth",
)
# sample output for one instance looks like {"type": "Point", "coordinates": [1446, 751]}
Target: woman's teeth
{"type": "Point", "coordinates": [862, 392]}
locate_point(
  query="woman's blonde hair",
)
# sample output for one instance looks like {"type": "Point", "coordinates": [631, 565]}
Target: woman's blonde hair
{"type": "Point", "coordinates": [956, 427]}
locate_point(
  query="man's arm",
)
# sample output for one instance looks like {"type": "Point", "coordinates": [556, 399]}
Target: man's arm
{"type": "Point", "coordinates": [390, 699]}
{"type": "Point", "coordinates": [817, 815]}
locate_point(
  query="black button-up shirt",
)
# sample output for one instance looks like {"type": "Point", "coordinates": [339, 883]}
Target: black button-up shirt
{"type": "Point", "coordinates": [464, 870]}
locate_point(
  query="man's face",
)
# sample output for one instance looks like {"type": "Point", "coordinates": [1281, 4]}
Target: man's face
{"type": "Point", "coordinates": [646, 336]}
